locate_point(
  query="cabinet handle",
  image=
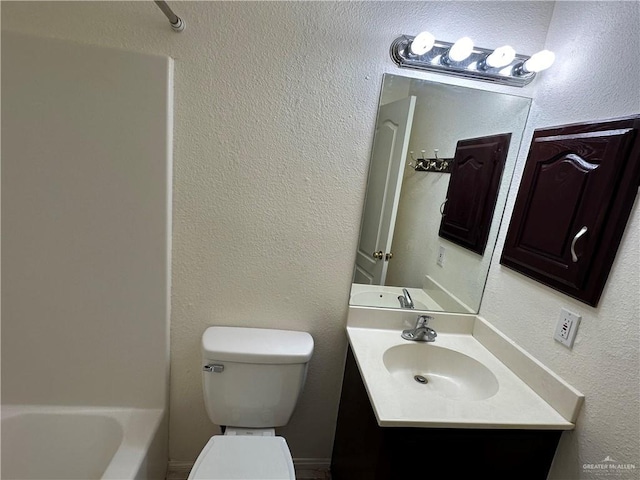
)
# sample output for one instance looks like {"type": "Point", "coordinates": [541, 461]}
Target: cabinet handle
{"type": "Point", "coordinates": [582, 231]}
{"type": "Point", "coordinates": [442, 207]}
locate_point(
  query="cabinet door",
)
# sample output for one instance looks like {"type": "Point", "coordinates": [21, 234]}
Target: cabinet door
{"type": "Point", "coordinates": [575, 197]}
{"type": "Point", "coordinates": [473, 191]}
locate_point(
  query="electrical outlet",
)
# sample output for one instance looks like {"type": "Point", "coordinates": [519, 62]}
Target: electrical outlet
{"type": "Point", "coordinates": [440, 260]}
{"type": "Point", "coordinates": [567, 328]}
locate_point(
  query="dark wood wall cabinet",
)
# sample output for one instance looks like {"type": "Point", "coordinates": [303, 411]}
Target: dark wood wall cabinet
{"type": "Point", "coordinates": [473, 190]}
{"type": "Point", "coordinates": [365, 451]}
{"type": "Point", "coordinates": [576, 194]}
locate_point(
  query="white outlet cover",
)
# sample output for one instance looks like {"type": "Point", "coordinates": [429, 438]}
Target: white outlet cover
{"type": "Point", "coordinates": [567, 328]}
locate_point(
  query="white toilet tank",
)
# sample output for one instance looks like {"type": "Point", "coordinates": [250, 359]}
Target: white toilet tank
{"type": "Point", "coordinates": [253, 377]}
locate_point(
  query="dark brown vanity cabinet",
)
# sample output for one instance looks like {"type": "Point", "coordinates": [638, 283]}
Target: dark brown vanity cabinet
{"type": "Point", "coordinates": [363, 450]}
{"type": "Point", "coordinates": [575, 197]}
{"type": "Point", "coordinates": [473, 191]}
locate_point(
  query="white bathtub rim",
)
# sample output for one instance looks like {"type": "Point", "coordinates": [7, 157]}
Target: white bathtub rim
{"type": "Point", "coordinates": [139, 427]}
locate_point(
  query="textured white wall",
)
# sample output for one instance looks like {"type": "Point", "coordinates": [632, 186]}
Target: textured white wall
{"type": "Point", "coordinates": [597, 76]}
{"type": "Point", "coordinates": [85, 216]}
{"type": "Point", "coordinates": [275, 104]}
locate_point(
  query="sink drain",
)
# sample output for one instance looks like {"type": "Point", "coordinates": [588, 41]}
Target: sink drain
{"type": "Point", "coordinates": [420, 379]}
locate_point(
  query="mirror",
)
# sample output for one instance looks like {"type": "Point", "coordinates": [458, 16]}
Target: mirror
{"type": "Point", "coordinates": [406, 252]}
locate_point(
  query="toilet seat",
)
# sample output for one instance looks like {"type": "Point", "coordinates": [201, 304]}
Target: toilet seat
{"type": "Point", "coordinates": [244, 457]}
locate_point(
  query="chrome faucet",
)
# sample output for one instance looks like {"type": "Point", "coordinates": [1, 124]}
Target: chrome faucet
{"type": "Point", "coordinates": [420, 333]}
{"type": "Point", "coordinates": [405, 300]}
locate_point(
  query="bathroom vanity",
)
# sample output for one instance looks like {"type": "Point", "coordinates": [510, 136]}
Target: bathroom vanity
{"type": "Point", "coordinates": [448, 409]}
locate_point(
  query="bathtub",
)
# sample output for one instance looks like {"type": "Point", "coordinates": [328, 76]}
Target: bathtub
{"type": "Point", "coordinates": [56, 442]}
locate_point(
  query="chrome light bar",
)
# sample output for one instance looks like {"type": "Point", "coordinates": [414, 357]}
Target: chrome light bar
{"type": "Point", "coordinates": [474, 66]}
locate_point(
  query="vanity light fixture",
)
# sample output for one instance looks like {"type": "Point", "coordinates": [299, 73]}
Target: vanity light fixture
{"type": "Point", "coordinates": [501, 57]}
{"type": "Point", "coordinates": [538, 62]}
{"type": "Point", "coordinates": [422, 43]}
{"type": "Point", "coordinates": [463, 59]}
{"type": "Point", "coordinates": [458, 52]}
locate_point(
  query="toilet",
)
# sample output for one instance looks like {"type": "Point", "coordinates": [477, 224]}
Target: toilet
{"type": "Point", "coordinates": [251, 379]}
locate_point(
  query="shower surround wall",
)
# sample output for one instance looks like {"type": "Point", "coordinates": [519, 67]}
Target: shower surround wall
{"type": "Point", "coordinates": [86, 157]}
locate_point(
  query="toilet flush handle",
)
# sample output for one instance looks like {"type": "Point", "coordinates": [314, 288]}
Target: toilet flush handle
{"type": "Point", "coordinates": [213, 367]}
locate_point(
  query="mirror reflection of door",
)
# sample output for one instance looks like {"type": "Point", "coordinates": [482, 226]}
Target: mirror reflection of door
{"type": "Point", "coordinates": [391, 141]}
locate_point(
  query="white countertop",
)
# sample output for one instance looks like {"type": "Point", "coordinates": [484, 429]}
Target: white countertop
{"type": "Point", "coordinates": [405, 403]}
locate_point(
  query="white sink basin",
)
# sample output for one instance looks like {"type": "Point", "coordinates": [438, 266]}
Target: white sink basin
{"type": "Point", "coordinates": [428, 368]}
{"type": "Point", "coordinates": [467, 385]}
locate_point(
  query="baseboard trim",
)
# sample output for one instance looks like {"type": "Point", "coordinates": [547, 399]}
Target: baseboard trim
{"type": "Point", "coordinates": [312, 468]}
{"type": "Point", "coordinates": [317, 463]}
{"type": "Point", "coordinates": [177, 470]}
{"type": "Point", "coordinates": [306, 468]}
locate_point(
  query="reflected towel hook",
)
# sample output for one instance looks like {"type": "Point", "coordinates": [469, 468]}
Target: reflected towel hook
{"type": "Point", "coordinates": [436, 164]}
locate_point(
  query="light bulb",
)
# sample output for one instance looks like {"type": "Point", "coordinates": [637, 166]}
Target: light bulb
{"type": "Point", "coordinates": [460, 50]}
{"type": "Point", "coordinates": [501, 57]}
{"type": "Point", "coordinates": [422, 43]}
{"type": "Point", "coordinates": [539, 61]}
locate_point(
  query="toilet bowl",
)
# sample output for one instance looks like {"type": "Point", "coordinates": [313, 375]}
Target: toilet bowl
{"type": "Point", "coordinates": [252, 379]}
{"type": "Point", "coordinates": [244, 457]}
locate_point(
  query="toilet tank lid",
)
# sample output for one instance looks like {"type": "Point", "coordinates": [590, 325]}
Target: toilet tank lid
{"type": "Point", "coordinates": [256, 345]}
